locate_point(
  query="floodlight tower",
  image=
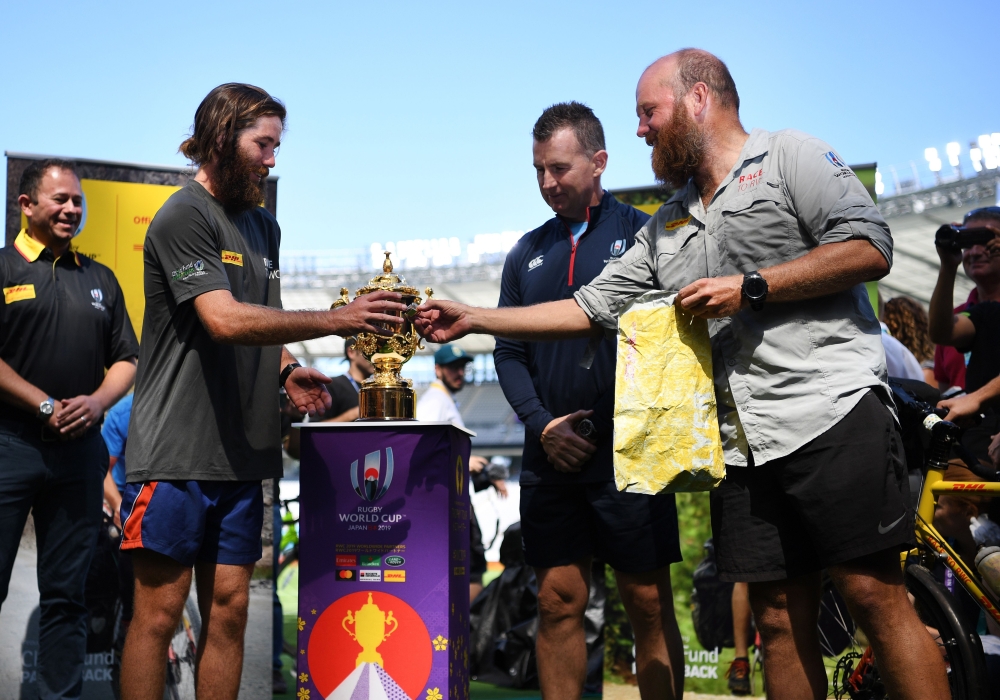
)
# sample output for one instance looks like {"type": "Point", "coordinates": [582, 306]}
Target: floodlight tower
{"type": "Point", "coordinates": [933, 163]}
{"type": "Point", "coordinates": [953, 149]}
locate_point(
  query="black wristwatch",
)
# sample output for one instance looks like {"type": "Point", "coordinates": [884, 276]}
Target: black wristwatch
{"type": "Point", "coordinates": [289, 368]}
{"type": "Point", "coordinates": [755, 290]}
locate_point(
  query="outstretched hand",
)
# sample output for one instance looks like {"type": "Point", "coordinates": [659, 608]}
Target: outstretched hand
{"type": "Point", "coordinates": [442, 321]}
{"type": "Point", "coordinates": [306, 389]}
{"type": "Point", "coordinates": [371, 313]}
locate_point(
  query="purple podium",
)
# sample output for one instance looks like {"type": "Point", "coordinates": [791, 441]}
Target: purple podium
{"type": "Point", "coordinates": [384, 561]}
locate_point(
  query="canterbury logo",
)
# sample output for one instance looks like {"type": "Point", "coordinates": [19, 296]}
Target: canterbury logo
{"type": "Point", "coordinates": [18, 293]}
{"type": "Point", "coordinates": [676, 224]}
{"type": "Point", "coordinates": [231, 258]}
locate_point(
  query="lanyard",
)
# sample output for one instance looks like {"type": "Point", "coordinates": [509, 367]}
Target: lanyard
{"type": "Point", "coordinates": [356, 386]}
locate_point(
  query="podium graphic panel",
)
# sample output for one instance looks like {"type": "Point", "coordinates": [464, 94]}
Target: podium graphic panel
{"type": "Point", "coordinates": [384, 562]}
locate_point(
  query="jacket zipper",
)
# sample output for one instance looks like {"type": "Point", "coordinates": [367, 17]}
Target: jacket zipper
{"type": "Point", "coordinates": [573, 242]}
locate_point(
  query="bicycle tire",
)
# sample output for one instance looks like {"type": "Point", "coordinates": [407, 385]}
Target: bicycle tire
{"type": "Point", "coordinates": [180, 680]}
{"type": "Point", "coordinates": [962, 647]}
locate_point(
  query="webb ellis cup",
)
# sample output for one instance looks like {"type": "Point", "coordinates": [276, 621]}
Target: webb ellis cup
{"type": "Point", "coordinates": [385, 395]}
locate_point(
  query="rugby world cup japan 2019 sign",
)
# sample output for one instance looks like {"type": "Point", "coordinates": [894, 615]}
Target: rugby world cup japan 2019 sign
{"type": "Point", "coordinates": [383, 563]}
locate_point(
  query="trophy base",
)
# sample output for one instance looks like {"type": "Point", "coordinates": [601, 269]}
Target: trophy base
{"type": "Point", "coordinates": [387, 403]}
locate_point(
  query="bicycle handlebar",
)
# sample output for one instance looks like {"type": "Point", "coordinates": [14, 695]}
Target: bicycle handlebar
{"type": "Point", "coordinates": [945, 435]}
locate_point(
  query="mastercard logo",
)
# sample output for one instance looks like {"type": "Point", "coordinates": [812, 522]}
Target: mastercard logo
{"type": "Point", "coordinates": [347, 575]}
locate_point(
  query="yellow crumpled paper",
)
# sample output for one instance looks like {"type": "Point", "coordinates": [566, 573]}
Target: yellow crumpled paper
{"type": "Point", "coordinates": [666, 437]}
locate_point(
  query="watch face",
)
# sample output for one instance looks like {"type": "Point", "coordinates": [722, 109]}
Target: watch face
{"type": "Point", "coordinates": [46, 408]}
{"type": "Point", "coordinates": [755, 287]}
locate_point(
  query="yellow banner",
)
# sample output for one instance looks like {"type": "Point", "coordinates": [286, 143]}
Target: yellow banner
{"type": "Point", "coordinates": [118, 214]}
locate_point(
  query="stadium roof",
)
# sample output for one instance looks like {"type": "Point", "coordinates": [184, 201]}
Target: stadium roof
{"type": "Point", "coordinates": [913, 219]}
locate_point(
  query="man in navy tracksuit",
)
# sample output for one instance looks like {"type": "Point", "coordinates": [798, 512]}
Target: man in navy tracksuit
{"type": "Point", "coordinates": [570, 508]}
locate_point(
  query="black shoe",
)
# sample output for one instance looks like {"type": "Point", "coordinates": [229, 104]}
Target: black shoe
{"type": "Point", "coordinates": [739, 676]}
{"type": "Point", "coordinates": [279, 686]}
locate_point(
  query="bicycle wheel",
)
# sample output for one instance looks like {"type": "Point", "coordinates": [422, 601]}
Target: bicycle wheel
{"type": "Point", "coordinates": [960, 646]}
{"type": "Point", "coordinates": [183, 653]}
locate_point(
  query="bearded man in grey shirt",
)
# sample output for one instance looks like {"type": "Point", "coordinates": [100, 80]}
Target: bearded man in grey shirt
{"type": "Point", "coordinates": [770, 237]}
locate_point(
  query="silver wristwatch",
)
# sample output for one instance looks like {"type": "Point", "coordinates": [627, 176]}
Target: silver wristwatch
{"type": "Point", "coordinates": [46, 408]}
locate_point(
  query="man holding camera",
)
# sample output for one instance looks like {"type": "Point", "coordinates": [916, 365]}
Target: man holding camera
{"type": "Point", "coordinates": [570, 508]}
{"type": "Point", "coordinates": [770, 236]}
{"type": "Point", "coordinates": [975, 328]}
{"type": "Point", "coordinates": [984, 270]}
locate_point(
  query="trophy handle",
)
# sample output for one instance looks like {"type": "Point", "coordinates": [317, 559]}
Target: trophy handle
{"type": "Point", "coordinates": [344, 299]}
{"type": "Point", "coordinates": [349, 618]}
{"type": "Point", "coordinates": [395, 623]}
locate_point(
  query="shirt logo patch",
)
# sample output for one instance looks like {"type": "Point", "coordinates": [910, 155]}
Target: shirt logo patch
{"type": "Point", "coordinates": [750, 180]}
{"type": "Point", "coordinates": [676, 224]}
{"type": "Point", "coordinates": [192, 269]}
{"type": "Point", "coordinates": [18, 293]}
{"type": "Point", "coordinates": [537, 262]}
{"type": "Point", "coordinates": [98, 296]}
{"type": "Point", "coordinates": [231, 258]}
{"type": "Point", "coordinates": [618, 247]}
{"type": "Point", "coordinates": [835, 160]}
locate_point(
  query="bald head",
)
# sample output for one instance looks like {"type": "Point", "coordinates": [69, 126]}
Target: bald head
{"type": "Point", "coordinates": [683, 69]}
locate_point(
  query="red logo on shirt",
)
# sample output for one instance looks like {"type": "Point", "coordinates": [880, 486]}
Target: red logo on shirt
{"type": "Point", "coordinates": [748, 182]}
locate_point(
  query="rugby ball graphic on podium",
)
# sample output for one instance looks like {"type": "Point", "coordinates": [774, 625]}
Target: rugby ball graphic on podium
{"type": "Point", "coordinates": [369, 681]}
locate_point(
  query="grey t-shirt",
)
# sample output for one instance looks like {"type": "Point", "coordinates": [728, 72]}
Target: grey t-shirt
{"type": "Point", "coordinates": [204, 410]}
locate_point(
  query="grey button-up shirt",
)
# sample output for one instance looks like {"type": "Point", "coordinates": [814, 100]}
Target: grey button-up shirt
{"type": "Point", "coordinates": [786, 374]}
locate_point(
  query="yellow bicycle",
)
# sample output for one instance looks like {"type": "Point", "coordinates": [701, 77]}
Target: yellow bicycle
{"type": "Point", "coordinates": [856, 675]}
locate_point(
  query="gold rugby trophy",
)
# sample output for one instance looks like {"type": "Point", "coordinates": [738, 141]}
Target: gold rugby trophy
{"type": "Point", "coordinates": [385, 395]}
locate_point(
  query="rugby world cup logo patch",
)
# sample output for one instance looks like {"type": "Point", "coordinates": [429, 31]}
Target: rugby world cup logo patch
{"type": "Point", "coordinates": [97, 295]}
{"type": "Point", "coordinates": [369, 481]}
{"type": "Point", "coordinates": [618, 247]}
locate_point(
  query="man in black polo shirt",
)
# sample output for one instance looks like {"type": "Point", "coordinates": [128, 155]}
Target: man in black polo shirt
{"type": "Point", "coordinates": [570, 508]}
{"type": "Point", "coordinates": [67, 353]}
{"type": "Point", "coordinates": [205, 428]}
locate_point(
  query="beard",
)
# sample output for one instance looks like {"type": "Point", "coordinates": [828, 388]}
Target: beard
{"type": "Point", "coordinates": [235, 186]}
{"type": "Point", "coordinates": [679, 150]}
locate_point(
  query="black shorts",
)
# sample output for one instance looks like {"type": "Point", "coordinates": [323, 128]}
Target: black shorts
{"type": "Point", "coordinates": [564, 523]}
{"type": "Point", "coordinates": [841, 496]}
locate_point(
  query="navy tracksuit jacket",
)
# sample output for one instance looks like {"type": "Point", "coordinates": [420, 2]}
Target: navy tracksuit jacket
{"type": "Point", "coordinates": [544, 380]}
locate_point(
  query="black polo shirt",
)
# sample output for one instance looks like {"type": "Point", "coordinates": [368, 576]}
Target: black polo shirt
{"type": "Point", "coordinates": [63, 322]}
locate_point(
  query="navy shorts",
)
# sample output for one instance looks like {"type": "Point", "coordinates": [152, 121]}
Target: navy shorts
{"type": "Point", "coordinates": [214, 521]}
{"type": "Point", "coordinates": [564, 523]}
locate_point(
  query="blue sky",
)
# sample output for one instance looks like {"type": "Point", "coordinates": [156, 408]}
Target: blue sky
{"type": "Point", "coordinates": [412, 120]}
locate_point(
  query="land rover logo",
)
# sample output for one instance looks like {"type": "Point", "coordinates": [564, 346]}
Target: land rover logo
{"type": "Point", "coordinates": [394, 560]}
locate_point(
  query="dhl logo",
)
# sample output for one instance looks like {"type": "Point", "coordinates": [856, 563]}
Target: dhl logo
{"type": "Point", "coordinates": [676, 224]}
{"type": "Point", "coordinates": [18, 293]}
{"type": "Point", "coordinates": [231, 258]}
{"type": "Point", "coordinates": [969, 487]}
{"type": "Point", "coordinates": [394, 576]}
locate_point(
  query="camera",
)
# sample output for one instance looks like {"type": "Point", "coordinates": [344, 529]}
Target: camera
{"type": "Point", "coordinates": [957, 238]}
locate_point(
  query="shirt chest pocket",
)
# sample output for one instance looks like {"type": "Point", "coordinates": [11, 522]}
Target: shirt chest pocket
{"type": "Point", "coordinates": [669, 243]}
{"type": "Point", "coordinates": [756, 228]}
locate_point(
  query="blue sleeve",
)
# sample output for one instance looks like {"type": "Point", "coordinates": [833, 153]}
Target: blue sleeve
{"type": "Point", "coordinates": [115, 430]}
{"type": "Point", "coordinates": [511, 356]}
